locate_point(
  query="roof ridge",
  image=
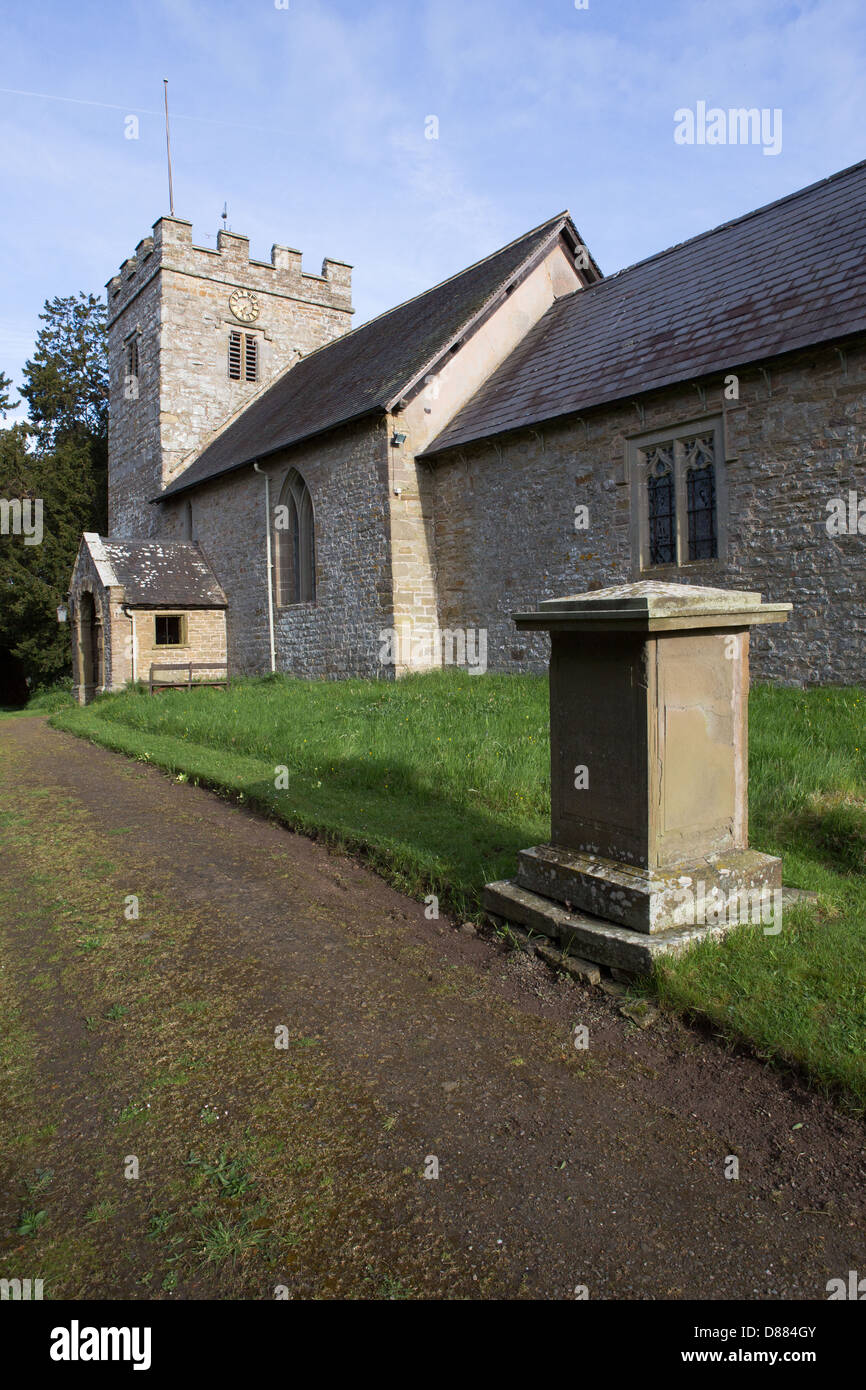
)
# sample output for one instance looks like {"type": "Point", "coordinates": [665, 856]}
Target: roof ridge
{"type": "Point", "coordinates": [721, 227]}
{"type": "Point", "coordinates": [147, 540]}
{"type": "Point", "coordinates": [189, 459]}
{"type": "Point", "coordinates": [555, 224]}
{"type": "Point", "coordinates": [457, 274]}
{"type": "Point", "coordinates": [344, 337]}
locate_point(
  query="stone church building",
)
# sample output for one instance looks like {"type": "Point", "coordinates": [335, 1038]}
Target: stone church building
{"type": "Point", "coordinates": [288, 493]}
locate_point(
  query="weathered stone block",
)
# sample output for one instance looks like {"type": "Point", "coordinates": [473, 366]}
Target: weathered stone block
{"type": "Point", "coordinates": [646, 900]}
{"type": "Point", "coordinates": [649, 769]}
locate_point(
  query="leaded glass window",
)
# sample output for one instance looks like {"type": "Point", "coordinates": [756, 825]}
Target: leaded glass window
{"type": "Point", "coordinates": [699, 460]}
{"type": "Point", "coordinates": [661, 496]}
{"type": "Point", "coordinates": [677, 484]}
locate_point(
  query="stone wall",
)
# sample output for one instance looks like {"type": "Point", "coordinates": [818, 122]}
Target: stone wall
{"type": "Point", "coordinates": [174, 297]}
{"type": "Point", "coordinates": [205, 639]}
{"type": "Point", "coordinates": [205, 633]}
{"type": "Point", "coordinates": [504, 534]}
{"type": "Point", "coordinates": [135, 465]}
{"type": "Point", "coordinates": [115, 628]}
{"type": "Point", "coordinates": [346, 472]}
{"type": "Point", "coordinates": [435, 398]}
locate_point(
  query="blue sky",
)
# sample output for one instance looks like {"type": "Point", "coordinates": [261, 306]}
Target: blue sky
{"type": "Point", "coordinates": [309, 122]}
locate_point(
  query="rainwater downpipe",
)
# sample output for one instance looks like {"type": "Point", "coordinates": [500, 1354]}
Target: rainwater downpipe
{"type": "Point", "coordinates": [269, 575]}
{"type": "Point", "coordinates": [131, 616]}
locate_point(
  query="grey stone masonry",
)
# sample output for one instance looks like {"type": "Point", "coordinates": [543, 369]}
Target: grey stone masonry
{"type": "Point", "coordinates": [793, 445]}
{"type": "Point", "coordinates": [346, 472]}
{"type": "Point", "coordinates": [170, 315]}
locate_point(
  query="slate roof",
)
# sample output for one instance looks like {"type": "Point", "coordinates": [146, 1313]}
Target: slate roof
{"type": "Point", "coordinates": [787, 276]}
{"type": "Point", "coordinates": [159, 574]}
{"type": "Point", "coordinates": [365, 370]}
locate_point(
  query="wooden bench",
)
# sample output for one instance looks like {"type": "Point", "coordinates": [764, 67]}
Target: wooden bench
{"type": "Point", "coordinates": [190, 667]}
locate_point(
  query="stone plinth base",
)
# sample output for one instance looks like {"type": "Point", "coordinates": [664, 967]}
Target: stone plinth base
{"type": "Point", "coordinates": [618, 948]}
{"type": "Point", "coordinates": [649, 901]}
{"type": "Point", "coordinates": [589, 937]}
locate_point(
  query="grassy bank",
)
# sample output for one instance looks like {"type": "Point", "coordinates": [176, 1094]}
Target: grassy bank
{"type": "Point", "coordinates": [440, 779]}
{"type": "Point", "coordinates": [801, 995]}
{"type": "Point", "coordinates": [45, 701]}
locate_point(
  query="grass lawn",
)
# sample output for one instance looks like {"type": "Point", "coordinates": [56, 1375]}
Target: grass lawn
{"type": "Point", "coordinates": [440, 780]}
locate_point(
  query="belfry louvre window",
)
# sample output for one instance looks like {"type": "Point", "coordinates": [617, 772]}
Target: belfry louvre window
{"type": "Point", "coordinates": [130, 376]}
{"type": "Point", "coordinates": [677, 495]}
{"type": "Point", "coordinates": [295, 543]}
{"type": "Point", "coordinates": [243, 356]}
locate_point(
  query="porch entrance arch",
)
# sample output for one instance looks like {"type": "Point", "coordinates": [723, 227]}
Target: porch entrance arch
{"type": "Point", "coordinates": [90, 655]}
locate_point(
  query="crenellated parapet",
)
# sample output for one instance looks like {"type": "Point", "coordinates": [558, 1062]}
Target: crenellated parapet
{"type": "Point", "coordinates": [193, 334]}
{"type": "Point", "coordinates": [171, 248]}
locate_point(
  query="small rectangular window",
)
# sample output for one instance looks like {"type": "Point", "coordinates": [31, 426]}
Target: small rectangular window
{"type": "Point", "coordinates": [169, 630]}
{"type": "Point", "coordinates": [130, 376]}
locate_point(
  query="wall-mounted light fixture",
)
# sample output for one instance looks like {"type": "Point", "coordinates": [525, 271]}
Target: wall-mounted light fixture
{"type": "Point", "coordinates": [397, 439]}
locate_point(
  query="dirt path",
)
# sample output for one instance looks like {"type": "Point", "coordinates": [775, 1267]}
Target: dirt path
{"type": "Point", "coordinates": [407, 1039]}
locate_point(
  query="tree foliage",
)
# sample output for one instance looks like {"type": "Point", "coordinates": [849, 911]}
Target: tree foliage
{"type": "Point", "coordinates": [60, 458]}
{"type": "Point", "coordinates": [6, 403]}
{"type": "Point", "coordinates": [66, 379]}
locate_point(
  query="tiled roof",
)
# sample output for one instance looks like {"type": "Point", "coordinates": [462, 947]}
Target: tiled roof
{"type": "Point", "coordinates": [365, 370]}
{"type": "Point", "coordinates": [161, 574]}
{"type": "Point", "coordinates": [787, 276]}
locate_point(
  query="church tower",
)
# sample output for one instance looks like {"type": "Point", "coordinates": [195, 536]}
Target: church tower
{"type": "Point", "coordinates": [193, 335]}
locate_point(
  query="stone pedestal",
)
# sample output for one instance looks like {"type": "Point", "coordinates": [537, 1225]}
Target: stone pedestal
{"type": "Point", "coordinates": [649, 767]}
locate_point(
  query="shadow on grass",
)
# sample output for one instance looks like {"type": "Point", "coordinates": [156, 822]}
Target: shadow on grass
{"type": "Point", "coordinates": [832, 831]}
{"type": "Point", "coordinates": [420, 841]}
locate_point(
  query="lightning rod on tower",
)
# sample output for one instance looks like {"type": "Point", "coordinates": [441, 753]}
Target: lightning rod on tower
{"type": "Point", "coordinates": [168, 149]}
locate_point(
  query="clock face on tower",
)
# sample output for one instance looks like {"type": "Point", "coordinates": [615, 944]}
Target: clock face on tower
{"type": "Point", "coordinates": [244, 306]}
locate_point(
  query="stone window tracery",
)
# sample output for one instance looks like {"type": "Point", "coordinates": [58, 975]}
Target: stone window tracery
{"type": "Point", "coordinates": [678, 495]}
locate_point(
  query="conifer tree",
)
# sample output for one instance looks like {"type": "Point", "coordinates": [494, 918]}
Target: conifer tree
{"type": "Point", "coordinates": [59, 457]}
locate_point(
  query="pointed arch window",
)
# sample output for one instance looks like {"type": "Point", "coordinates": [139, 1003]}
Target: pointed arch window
{"type": "Point", "coordinates": [295, 543]}
{"type": "Point", "coordinates": [679, 495]}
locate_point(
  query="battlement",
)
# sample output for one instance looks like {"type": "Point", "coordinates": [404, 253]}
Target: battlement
{"type": "Point", "coordinates": [193, 335]}
{"type": "Point", "coordinates": [171, 248]}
